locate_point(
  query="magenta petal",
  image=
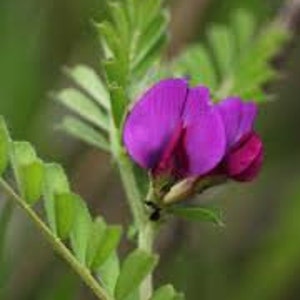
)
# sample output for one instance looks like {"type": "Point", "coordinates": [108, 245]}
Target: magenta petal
{"type": "Point", "coordinates": [253, 169]}
{"type": "Point", "coordinates": [248, 115]}
{"type": "Point", "coordinates": [231, 111]}
{"type": "Point", "coordinates": [238, 118]}
{"type": "Point", "coordinates": [205, 138]}
{"type": "Point", "coordinates": [166, 160]}
{"type": "Point", "coordinates": [243, 157]}
{"type": "Point", "coordinates": [151, 123]}
{"type": "Point", "coordinates": [198, 100]}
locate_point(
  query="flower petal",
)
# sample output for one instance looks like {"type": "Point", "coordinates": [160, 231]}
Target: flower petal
{"type": "Point", "coordinates": [150, 125]}
{"type": "Point", "coordinates": [231, 110]}
{"type": "Point", "coordinates": [205, 138]}
{"type": "Point", "coordinates": [249, 113]}
{"type": "Point", "coordinates": [198, 100]}
{"type": "Point", "coordinates": [238, 118]}
{"type": "Point", "coordinates": [243, 157]}
{"type": "Point", "coordinates": [253, 170]}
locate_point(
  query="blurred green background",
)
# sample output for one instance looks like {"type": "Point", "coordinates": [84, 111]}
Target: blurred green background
{"type": "Point", "coordinates": [257, 254]}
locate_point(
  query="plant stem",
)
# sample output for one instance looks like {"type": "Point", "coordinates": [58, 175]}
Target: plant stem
{"type": "Point", "coordinates": [145, 242]}
{"type": "Point", "coordinates": [141, 220]}
{"type": "Point", "coordinates": [57, 244]}
{"type": "Point", "coordinates": [132, 192]}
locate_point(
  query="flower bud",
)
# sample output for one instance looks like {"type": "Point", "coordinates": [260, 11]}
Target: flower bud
{"type": "Point", "coordinates": [191, 186]}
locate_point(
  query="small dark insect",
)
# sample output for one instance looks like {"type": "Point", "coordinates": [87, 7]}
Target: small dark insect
{"type": "Point", "coordinates": [155, 214]}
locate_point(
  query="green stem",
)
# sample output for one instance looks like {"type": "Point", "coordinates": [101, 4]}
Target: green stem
{"type": "Point", "coordinates": [141, 220]}
{"type": "Point", "coordinates": [132, 192]}
{"type": "Point", "coordinates": [145, 242]}
{"type": "Point", "coordinates": [57, 244]}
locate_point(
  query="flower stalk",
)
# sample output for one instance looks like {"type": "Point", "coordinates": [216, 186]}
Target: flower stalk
{"type": "Point", "coordinates": [57, 244]}
{"type": "Point", "coordinates": [132, 191]}
{"type": "Point", "coordinates": [145, 228]}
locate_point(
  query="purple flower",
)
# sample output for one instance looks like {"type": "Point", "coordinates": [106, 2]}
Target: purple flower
{"type": "Point", "coordinates": [176, 130]}
{"type": "Point", "coordinates": [244, 149]}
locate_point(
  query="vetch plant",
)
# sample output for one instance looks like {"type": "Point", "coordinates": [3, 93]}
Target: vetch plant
{"type": "Point", "coordinates": [177, 133]}
{"type": "Point", "coordinates": [171, 138]}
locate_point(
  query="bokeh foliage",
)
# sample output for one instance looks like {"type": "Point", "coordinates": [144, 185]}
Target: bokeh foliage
{"type": "Point", "coordinates": [257, 255]}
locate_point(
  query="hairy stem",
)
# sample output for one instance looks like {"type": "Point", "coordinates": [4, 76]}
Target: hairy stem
{"type": "Point", "coordinates": [145, 242]}
{"type": "Point", "coordinates": [57, 244]}
{"type": "Point", "coordinates": [141, 220]}
{"type": "Point", "coordinates": [132, 192]}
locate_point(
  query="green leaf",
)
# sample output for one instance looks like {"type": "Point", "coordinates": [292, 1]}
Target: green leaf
{"type": "Point", "coordinates": [28, 170]}
{"type": "Point", "coordinates": [87, 79]}
{"type": "Point", "coordinates": [24, 153]}
{"type": "Point", "coordinates": [65, 213]}
{"type": "Point", "coordinates": [81, 131]}
{"type": "Point", "coordinates": [102, 242]}
{"type": "Point", "coordinates": [4, 146]}
{"type": "Point", "coordinates": [269, 41]}
{"type": "Point", "coordinates": [165, 292]}
{"type": "Point", "coordinates": [221, 41]}
{"type": "Point", "coordinates": [149, 11]}
{"type": "Point", "coordinates": [116, 71]}
{"type": "Point", "coordinates": [55, 182]}
{"type": "Point", "coordinates": [84, 107]}
{"type": "Point", "coordinates": [97, 233]}
{"type": "Point", "coordinates": [196, 62]}
{"type": "Point", "coordinates": [135, 268]}
{"type": "Point", "coordinates": [198, 214]}
{"type": "Point", "coordinates": [150, 44]}
{"type": "Point", "coordinates": [110, 40]}
{"type": "Point", "coordinates": [120, 21]}
{"type": "Point", "coordinates": [243, 24]}
{"type": "Point", "coordinates": [131, 10]}
{"type": "Point", "coordinates": [258, 74]}
{"type": "Point", "coordinates": [145, 24]}
{"type": "Point", "coordinates": [255, 94]}
{"type": "Point", "coordinates": [109, 272]}
{"type": "Point", "coordinates": [118, 104]}
{"type": "Point", "coordinates": [32, 179]}
{"type": "Point", "coordinates": [109, 242]}
{"type": "Point", "coordinates": [254, 69]}
{"type": "Point", "coordinates": [81, 230]}
{"type": "Point", "coordinates": [238, 63]}
{"type": "Point", "coordinates": [105, 31]}
{"type": "Point", "coordinates": [84, 132]}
